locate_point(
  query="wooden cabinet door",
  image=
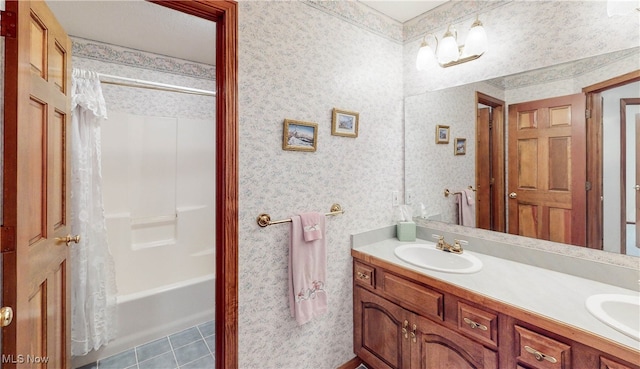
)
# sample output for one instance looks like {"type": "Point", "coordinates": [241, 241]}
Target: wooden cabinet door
{"type": "Point", "coordinates": [381, 332]}
{"type": "Point", "coordinates": [547, 169]}
{"type": "Point", "coordinates": [36, 190]}
{"type": "Point", "coordinates": [437, 347]}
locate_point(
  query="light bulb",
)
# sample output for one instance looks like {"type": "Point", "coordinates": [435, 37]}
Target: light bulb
{"type": "Point", "coordinates": [476, 43]}
{"type": "Point", "coordinates": [425, 56]}
{"type": "Point", "coordinates": [448, 49]}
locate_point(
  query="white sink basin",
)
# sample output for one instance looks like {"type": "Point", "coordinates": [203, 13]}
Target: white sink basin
{"type": "Point", "coordinates": [620, 312]}
{"type": "Point", "coordinates": [426, 255]}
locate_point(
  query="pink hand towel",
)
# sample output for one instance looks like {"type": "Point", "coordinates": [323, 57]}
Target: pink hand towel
{"type": "Point", "coordinates": [311, 228]}
{"type": "Point", "coordinates": [466, 208]}
{"type": "Point", "coordinates": [307, 274]}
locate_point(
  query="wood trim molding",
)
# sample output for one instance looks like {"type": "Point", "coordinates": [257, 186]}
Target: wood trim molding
{"type": "Point", "coordinates": [225, 14]}
{"type": "Point", "coordinates": [623, 171]}
{"type": "Point", "coordinates": [351, 364]}
{"type": "Point", "coordinates": [594, 171]}
{"type": "Point", "coordinates": [613, 82]}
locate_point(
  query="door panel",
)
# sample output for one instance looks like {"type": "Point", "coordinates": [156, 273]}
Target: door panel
{"type": "Point", "coordinates": [637, 162]}
{"type": "Point", "coordinates": [380, 331]}
{"type": "Point", "coordinates": [36, 189]}
{"type": "Point", "coordinates": [547, 172]}
{"type": "Point", "coordinates": [483, 170]}
{"type": "Point", "coordinates": [438, 347]}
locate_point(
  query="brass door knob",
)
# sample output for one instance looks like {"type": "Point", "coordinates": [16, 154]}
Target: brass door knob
{"type": "Point", "coordinates": [6, 316]}
{"type": "Point", "coordinates": [68, 239]}
{"type": "Point", "coordinates": [637, 187]}
{"type": "Point", "coordinates": [513, 195]}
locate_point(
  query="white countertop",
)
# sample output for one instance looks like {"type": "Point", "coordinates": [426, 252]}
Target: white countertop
{"type": "Point", "coordinates": [548, 293]}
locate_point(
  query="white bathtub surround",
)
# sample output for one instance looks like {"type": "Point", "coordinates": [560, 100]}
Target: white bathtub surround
{"type": "Point", "coordinates": [93, 293]}
{"type": "Point", "coordinates": [163, 244]}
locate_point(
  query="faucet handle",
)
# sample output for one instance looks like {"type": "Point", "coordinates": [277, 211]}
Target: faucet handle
{"type": "Point", "coordinates": [441, 244]}
{"type": "Point", "coordinates": [457, 245]}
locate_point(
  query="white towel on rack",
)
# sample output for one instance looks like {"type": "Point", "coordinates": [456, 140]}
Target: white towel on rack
{"type": "Point", "coordinates": [307, 273]}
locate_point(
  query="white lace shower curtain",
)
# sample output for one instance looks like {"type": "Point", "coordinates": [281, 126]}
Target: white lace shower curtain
{"type": "Point", "coordinates": [93, 300]}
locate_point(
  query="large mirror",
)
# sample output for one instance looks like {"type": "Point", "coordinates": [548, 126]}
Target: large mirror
{"type": "Point", "coordinates": [483, 118]}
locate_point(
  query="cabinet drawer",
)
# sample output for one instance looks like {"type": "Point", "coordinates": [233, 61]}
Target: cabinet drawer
{"type": "Point", "coordinates": [364, 275]}
{"type": "Point", "coordinates": [415, 297]}
{"type": "Point", "coordinates": [480, 324]}
{"type": "Point", "coordinates": [541, 352]}
{"type": "Point", "coordinates": [610, 364]}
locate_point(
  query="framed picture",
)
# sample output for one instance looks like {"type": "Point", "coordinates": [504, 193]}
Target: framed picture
{"type": "Point", "coordinates": [344, 123]}
{"type": "Point", "coordinates": [299, 136]}
{"type": "Point", "coordinates": [460, 146]}
{"type": "Point", "coordinates": [442, 134]}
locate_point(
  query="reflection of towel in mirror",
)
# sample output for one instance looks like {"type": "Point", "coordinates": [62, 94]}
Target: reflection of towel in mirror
{"type": "Point", "coordinates": [466, 208]}
{"type": "Point", "coordinates": [307, 273]}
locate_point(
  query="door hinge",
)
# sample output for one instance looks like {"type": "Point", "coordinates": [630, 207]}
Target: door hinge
{"type": "Point", "coordinates": [587, 186]}
{"type": "Point", "coordinates": [587, 114]}
{"type": "Point", "coordinates": [7, 24]}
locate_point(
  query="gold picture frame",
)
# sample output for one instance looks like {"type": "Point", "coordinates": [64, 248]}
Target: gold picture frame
{"type": "Point", "coordinates": [460, 146]}
{"type": "Point", "coordinates": [345, 123]}
{"type": "Point", "coordinates": [442, 134]}
{"type": "Point", "coordinates": [299, 135]}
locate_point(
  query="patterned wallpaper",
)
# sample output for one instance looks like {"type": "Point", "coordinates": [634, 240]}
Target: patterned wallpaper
{"type": "Point", "coordinates": [124, 62]}
{"type": "Point", "coordinates": [298, 61]}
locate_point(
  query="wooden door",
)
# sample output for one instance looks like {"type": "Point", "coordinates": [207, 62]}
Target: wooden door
{"type": "Point", "coordinates": [637, 186]}
{"type": "Point", "coordinates": [490, 163]}
{"type": "Point", "coordinates": [381, 331]}
{"type": "Point", "coordinates": [547, 169]}
{"type": "Point", "coordinates": [437, 347]}
{"type": "Point", "coordinates": [483, 169]}
{"type": "Point", "coordinates": [36, 274]}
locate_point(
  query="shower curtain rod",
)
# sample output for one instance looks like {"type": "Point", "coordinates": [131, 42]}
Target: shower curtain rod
{"type": "Point", "coordinates": [132, 82]}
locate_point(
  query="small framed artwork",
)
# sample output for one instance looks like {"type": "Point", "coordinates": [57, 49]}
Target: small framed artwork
{"type": "Point", "coordinates": [442, 134]}
{"type": "Point", "coordinates": [344, 123]}
{"type": "Point", "coordinates": [460, 146]}
{"type": "Point", "coordinates": [299, 135]}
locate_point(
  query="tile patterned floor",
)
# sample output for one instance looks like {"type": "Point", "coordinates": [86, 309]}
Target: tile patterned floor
{"type": "Point", "coordinates": [192, 348]}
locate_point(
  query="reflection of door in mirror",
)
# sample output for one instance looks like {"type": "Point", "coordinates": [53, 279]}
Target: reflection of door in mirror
{"type": "Point", "coordinates": [490, 173]}
{"type": "Point", "coordinates": [547, 169]}
{"type": "Point", "coordinates": [620, 127]}
{"type": "Point", "coordinates": [636, 187]}
{"type": "Point", "coordinates": [610, 147]}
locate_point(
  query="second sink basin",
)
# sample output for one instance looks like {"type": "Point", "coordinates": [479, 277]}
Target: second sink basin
{"type": "Point", "coordinates": [620, 312]}
{"type": "Point", "coordinates": [426, 255]}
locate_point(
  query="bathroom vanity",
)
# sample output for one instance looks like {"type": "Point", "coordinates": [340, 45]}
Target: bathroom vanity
{"type": "Point", "coordinates": [507, 315]}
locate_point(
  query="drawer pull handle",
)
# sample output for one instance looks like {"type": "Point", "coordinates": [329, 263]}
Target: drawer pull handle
{"type": "Point", "coordinates": [363, 276]}
{"type": "Point", "coordinates": [413, 334]}
{"type": "Point", "coordinates": [475, 325]}
{"type": "Point", "coordinates": [539, 355]}
{"type": "Point", "coordinates": [405, 331]}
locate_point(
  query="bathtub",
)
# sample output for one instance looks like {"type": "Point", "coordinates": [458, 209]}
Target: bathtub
{"type": "Point", "coordinates": [149, 315]}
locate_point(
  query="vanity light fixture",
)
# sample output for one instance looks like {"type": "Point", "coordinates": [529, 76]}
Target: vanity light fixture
{"type": "Point", "coordinates": [623, 7]}
{"type": "Point", "coordinates": [447, 52]}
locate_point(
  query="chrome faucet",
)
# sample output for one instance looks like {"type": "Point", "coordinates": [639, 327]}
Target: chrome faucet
{"type": "Point", "coordinates": [456, 248]}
